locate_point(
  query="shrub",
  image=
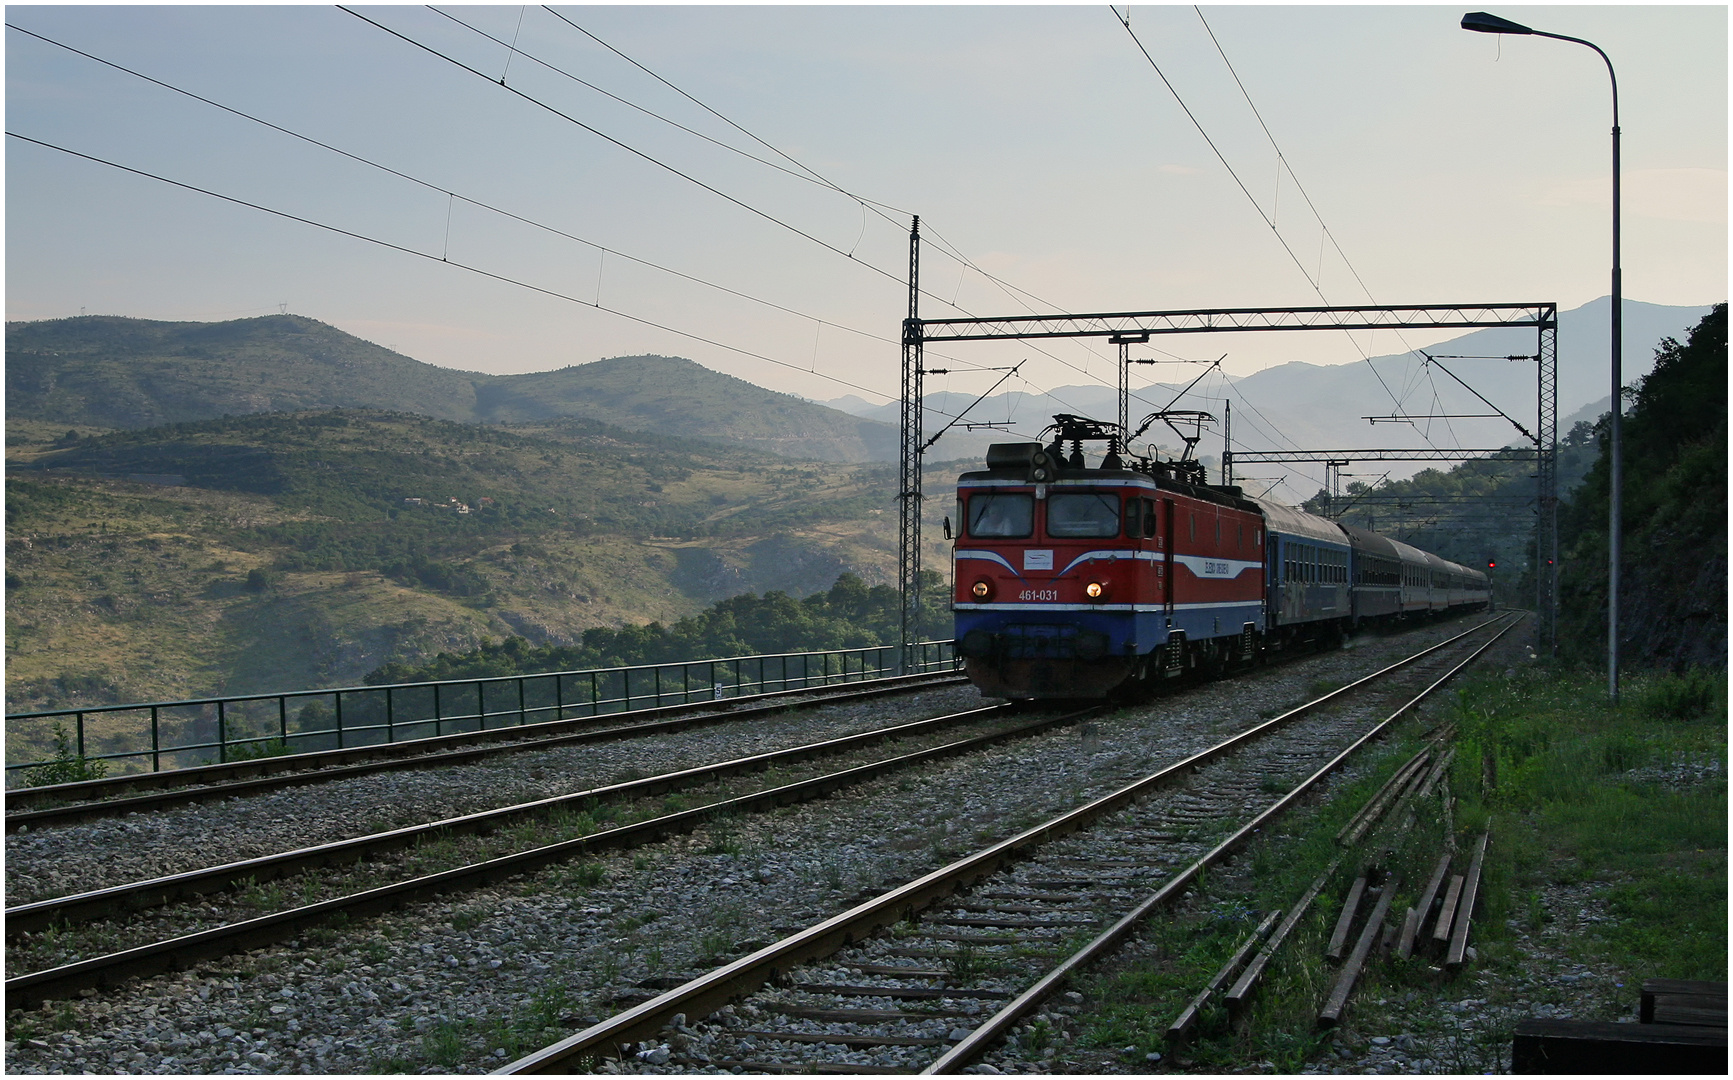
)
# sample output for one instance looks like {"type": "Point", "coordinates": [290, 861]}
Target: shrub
{"type": "Point", "coordinates": [67, 767]}
{"type": "Point", "coordinates": [1693, 695]}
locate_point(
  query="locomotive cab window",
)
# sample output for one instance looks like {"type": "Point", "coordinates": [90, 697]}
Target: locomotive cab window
{"type": "Point", "coordinates": [1008, 516]}
{"type": "Point", "coordinates": [1082, 514]}
{"type": "Point", "coordinates": [1133, 518]}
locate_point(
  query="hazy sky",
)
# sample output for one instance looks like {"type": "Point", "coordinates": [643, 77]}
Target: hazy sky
{"type": "Point", "coordinates": [1449, 167]}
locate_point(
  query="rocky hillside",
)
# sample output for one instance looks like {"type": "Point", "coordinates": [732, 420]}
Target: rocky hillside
{"type": "Point", "coordinates": [1673, 592]}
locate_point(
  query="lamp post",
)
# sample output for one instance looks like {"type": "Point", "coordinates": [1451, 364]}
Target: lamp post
{"type": "Point", "coordinates": [1481, 22]}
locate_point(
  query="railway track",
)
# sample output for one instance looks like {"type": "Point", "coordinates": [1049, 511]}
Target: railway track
{"type": "Point", "coordinates": [54, 916]}
{"type": "Point", "coordinates": [533, 900]}
{"type": "Point", "coordinates": [59, 804]}
{"type": "Point", "coordinates": [975, 947]}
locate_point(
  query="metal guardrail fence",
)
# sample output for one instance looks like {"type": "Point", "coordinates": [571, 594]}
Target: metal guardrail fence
{"type": "Point", "coordinates": [177, 734]}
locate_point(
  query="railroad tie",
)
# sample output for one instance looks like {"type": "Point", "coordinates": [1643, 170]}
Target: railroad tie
{"type": "Point", "coordinates": [1345, 922]}
{"type": "Point", "coordinates": [1447, 913]}
{"type": "Point", "coordinates": [1240, 995]}
{"type": "Point", "coordinates": [1331, 1014]}
{"type": "Point", "coordinates": [1405, 947]}
{"type": "Point", "coordinates": [1465, 908]}
{"type": "Point", "coordinates": [1182, 1025]}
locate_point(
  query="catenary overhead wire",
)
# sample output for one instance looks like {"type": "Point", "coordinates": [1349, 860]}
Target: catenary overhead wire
{"type": "Point", "coordinates": [505, 279]}
{"type": "Point", "coordinates": [444, 262]}
{"type": "Point", "coordinates": [1125, 21]}
{"type": "Point", "coordinates": [813, 178]}
{"type": "Point", "coordinates": [688, 177]}
{"type": "Point", "coordinates": [814, 175]}
{"type": "Point", "coordinates": [1282, 158]}
{"type": "Point", "coordinates": [664, 165]}
{"type": "Point", "coordinates": [942, 245]}
{"type": "Point", "coordinates": [479, 204]}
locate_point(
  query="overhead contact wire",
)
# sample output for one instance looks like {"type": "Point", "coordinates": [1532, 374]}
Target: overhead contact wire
{"type": "Point", "coordinates": [1304, 194]}
{"type": "Point", "coordinates": [431, 186]}
{"type": "Point", "coordinates": [944, 246]}
{"type": "Point", "coordinates": [1280, 239]}
{"type": "Point", "coordinates": [445, 262]}
{"type": "Point", "coordinates": [634, 151]}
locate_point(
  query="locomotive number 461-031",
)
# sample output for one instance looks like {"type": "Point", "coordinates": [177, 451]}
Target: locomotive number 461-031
{"type": "Point", "coordinates": [1038, 594]}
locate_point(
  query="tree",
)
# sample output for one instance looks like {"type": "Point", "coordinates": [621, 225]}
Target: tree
{"type": "Point", "coordinates": [1673, 593]}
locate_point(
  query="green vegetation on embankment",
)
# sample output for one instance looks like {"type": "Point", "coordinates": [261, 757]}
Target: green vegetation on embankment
{"type": "Point", "coordinates": [1673, 586]}
{"type": "Point", "coordinates": [1607, 865]}
{"type": "Point", "coordinates": [286, 551]}
{"type": "Point", "coordinates": [849, 616]}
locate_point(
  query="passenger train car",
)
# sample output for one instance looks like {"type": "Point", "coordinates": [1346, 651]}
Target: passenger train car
{"type": "Point", "coordinates": [1072, 580]}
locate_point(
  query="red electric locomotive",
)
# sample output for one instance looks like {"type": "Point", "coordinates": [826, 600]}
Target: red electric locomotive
{"type": "Point", "coordinates": [1072, 579]}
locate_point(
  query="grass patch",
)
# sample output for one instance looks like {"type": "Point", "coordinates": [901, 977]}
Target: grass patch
{"type": "Point", "coordinates": [1633, 795]}
{"type": "Point", "coordinates": [1632, 800]}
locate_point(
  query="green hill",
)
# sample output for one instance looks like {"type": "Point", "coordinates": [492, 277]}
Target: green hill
{"type": "Point", "coordinates": [666, 393]}
{"type": "Point", "coordinates": [112, 372]}
{"type": "Point", "coordinates": [135, 373]}
{"type": "Point", "coordinates": [280, 551]}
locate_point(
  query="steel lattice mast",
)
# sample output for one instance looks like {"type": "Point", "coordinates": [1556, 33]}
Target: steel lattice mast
{"type": "Point", "coordinates": [909, 461]}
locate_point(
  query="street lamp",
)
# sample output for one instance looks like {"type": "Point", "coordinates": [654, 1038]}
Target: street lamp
{"type": "Point", "coordinates": [1481, 22]}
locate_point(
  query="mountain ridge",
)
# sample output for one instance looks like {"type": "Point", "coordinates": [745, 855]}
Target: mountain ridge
{"type": "Point", "coordinates": [122, 373]}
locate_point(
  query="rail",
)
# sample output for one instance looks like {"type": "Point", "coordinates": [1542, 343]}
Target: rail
{"type": "Point", "coordinates": [154, 736]}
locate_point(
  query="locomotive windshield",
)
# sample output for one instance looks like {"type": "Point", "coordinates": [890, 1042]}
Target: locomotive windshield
{"type": "Point", "coordinates": [1082, 514]}
{"type": "Point", "coordinates": [1009, 516]}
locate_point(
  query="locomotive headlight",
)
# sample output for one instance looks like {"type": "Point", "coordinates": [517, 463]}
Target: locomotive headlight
{"type": "Point", "coordinates": [982, 589]}
{"type": "Point", "coordinates": [1093, 590]}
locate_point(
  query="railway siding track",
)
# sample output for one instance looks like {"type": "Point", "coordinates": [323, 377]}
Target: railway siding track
{"type": "Point", "coordinates": [134, 896]}
{"type": "Point", "coordinates": [112, 796]}
{"type": "Point", "coordinates": [855, 929]}
{"type": "Point", "coordinates": [179, 952]}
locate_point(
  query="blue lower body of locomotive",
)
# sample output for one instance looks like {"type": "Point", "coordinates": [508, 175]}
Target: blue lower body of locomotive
{"type": "Point", "coordinates": [1045, 652]}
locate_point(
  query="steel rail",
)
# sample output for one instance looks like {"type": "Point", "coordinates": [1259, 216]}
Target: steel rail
{"type": "Point", "coordinates": [26, 991]}
{"type": "Point", "coordinates": [156, 892]}
{"type": "Point", "coordinates": [1001, 1022]}
{"type": "Point", "coordinates": [320, 766]}
{"type": "Point", "coordinates": [707, 993]}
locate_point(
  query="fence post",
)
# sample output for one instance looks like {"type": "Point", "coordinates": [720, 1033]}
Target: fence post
{"type": "Point", "coordinates": [283, 720]}
{"type": "Point", "coordinates": [155, 743]}
{"type": "Point", "coordinates": [480, 705]}
{"type": "Point", "coordinates": [390, 716]}
{"type": "Point", "coordinates": [222, 734]}
{"type": "Point", "coordinates": [337, 702]}
{"type": "Point", "coordinates": [559, 697]}
{"type": "Point", "coordinates": [522, 718]}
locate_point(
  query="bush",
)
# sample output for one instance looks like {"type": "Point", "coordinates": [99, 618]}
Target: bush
{"type": "Point", "coordinates": [67, 767]}
{"type": "Point", "coordinates": [1694, 695]}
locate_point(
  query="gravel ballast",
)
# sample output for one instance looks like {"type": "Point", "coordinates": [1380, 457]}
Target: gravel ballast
{"type": "Point", "coordinates": [464, 984]}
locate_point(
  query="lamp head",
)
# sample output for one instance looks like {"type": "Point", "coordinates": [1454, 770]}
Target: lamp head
{"type": "Point", "coordinates": [1481, 22]}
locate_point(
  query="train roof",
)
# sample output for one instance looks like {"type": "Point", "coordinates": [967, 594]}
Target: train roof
{"type": "Point", "coordinates": [1366, 540]}
{"type": "Point", "coordinates": [1283, 518]}
{"type": "Point", "coordinates": [1408, 553]}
